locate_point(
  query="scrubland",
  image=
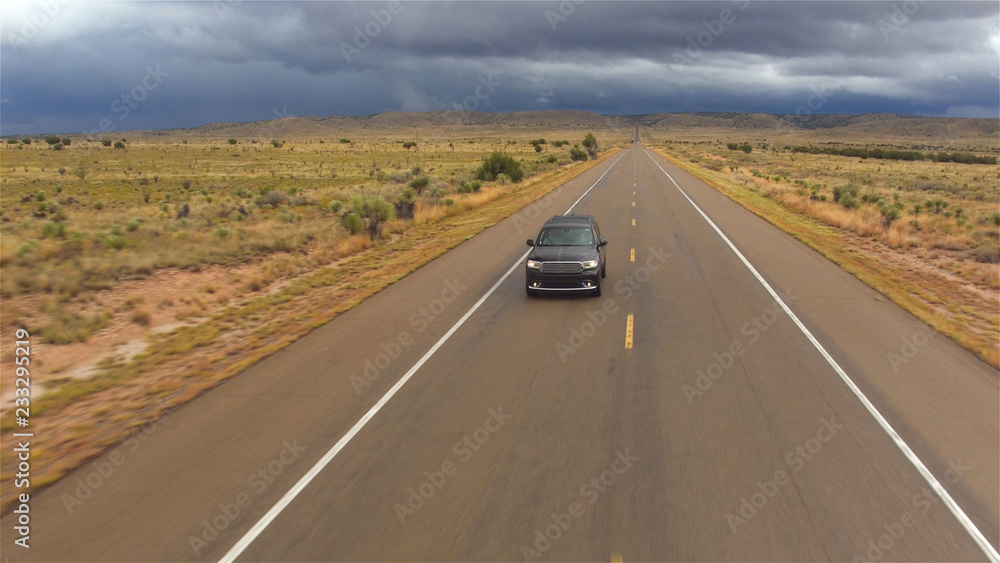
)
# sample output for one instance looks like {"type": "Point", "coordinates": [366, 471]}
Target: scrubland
{"type": "Point", "coordinates": [925, 233]}
{"type": "Point", "coordinates": [147, 274]}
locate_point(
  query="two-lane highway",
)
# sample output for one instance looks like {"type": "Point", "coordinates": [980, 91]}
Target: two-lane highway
{"type": "Point", "coordinates": [683, 415]}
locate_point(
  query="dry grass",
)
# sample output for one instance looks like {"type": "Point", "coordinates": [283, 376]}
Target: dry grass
{"type": "Point", "coordinates": [280, 297]}
{"type": "Point", "coordinates": [928, 268]}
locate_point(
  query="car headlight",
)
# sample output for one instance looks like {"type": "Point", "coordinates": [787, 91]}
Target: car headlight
{"type": "Point", "coordinates": [589, 264]}
{"type": "Point", "coordinates": [534, 264]}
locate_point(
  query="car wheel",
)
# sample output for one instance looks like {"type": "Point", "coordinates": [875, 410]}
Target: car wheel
{"type": "Point", "coordinates": [529, 292]}
{"type": "Point", "coordinates": [604, 270]}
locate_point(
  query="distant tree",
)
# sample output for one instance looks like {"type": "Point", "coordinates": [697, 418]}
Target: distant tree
{"type": "Point", "coordinates": [106, 142]}
{"type": "Point", "coordinates": [119, 145]}
{"type": "Point", "coordinates": [52, 139]}
{"type": "Point", "coordinates": [409, 145]}
{"type": "Point", "coordinates": [232, 141]}
{"type": "Point", "coordinates": [26, 140]}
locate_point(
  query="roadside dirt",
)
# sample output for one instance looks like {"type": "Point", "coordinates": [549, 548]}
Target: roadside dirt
{"type": "Point", "coordinates": [171, 297]}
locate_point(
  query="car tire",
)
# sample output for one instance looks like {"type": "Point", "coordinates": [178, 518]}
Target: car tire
{"type": "Point", "coordinates": [529, 292]}
{"type": "Point", "coordinates": [604, 270]}
{"type": "Point", "coordinates": [597, 290]}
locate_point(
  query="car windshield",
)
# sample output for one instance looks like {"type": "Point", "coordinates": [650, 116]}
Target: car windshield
{"type": "Point", "coordinates": [566, 236]}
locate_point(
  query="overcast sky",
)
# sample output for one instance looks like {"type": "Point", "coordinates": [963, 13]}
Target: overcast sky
{"type": "Point", "coordinates": [71, 66]}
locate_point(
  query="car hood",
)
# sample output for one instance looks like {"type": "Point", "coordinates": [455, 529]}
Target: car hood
{"type": "Point", "coordinates": [563, 253]}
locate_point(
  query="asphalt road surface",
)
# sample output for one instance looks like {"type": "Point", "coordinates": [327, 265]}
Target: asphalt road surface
{"type": "Point", "coordinates": [684, 415]}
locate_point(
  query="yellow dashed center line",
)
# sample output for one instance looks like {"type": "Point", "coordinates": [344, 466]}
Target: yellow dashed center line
{"type": "Point", "coordinates": [633, 204]}
{"type": "Point", "coordinates": [633, 222]}
{"type": "Point", "coordinates": [616, 557]}
{"type": "Point", "coordinates": [628, 332]}
{"type": "Point", "coordinates": [632, 256]}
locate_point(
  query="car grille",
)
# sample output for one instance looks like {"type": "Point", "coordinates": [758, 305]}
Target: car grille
{"type": "Point", "coordinates": [562, 267]}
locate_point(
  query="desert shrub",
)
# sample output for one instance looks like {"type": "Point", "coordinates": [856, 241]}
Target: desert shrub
{"type": "Point", "coordinates": [499, 163]}
{"type": "Point", "coordinates": [232, 141]}
{"type": "Point", "coordinates": [420, 184]}
{"type": "Point", "coordinates": [590, 143]}
{"type": "Point", "coordinates": [98, 205]}
{"type": "Point", "coordinates": [65, 327]}
{"type": "Point", "coordinates": [405, 204]}
{"type": "Point", "coordinates": [115, 242]}
{"type": "Point", "coordinates": [133, 225]}
{"type": "Point", "coordinates": [106, 142]}
{"type": "Point", "coordinates": [54, 229]}
{"type": "Point", "coordinates": [353, 223]}
{"type": "Point", "coordinates": [576, 153]}
{"type": "Point", "coordinates": [272, 198]}
{"type": "Point", "coordinates": [850, 202]}
{"type": "Point", "coordinates": [839, 192]}
{"type": "Point", "coordinates": [345, 141]}
{"type": "Point", "coordinates": [987, 252]}
{"type": "Point", "coordinates": [551, 159]}
{"type": "Point", "coordinates": [889, 213]}
{"type": "Point", "coordinates": [141, 317]}
{"type": "Point", "coordinates": [66, 141]}
{"type": "Point", "coordinates": [370, 215]}
{"type": "Point", "coordinates": [52, 139]}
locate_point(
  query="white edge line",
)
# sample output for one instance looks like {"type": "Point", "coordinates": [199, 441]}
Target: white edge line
{"type": "Point", "coordinates": [304, 481]}
{"type": "Point", "coordinates": [956, 510]}
{"type": "Point", "coordinates": [579, 199]}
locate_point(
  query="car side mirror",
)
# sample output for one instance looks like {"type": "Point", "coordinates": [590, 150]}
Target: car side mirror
{"type": "Point", "coordinates": [531, 242]}
{"type": "Point", "coordinates": [603, 241]}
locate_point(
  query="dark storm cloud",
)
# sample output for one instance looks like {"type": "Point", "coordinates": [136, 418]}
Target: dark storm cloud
{"type": "Point", "coordinates": [70, 66]}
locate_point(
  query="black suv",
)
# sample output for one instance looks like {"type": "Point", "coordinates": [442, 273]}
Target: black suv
{"type": "Point", "coordinates": [568, 255]}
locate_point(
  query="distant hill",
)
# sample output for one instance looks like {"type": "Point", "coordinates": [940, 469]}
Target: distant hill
{"type": "Point", "coordinates": [846, 126]}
